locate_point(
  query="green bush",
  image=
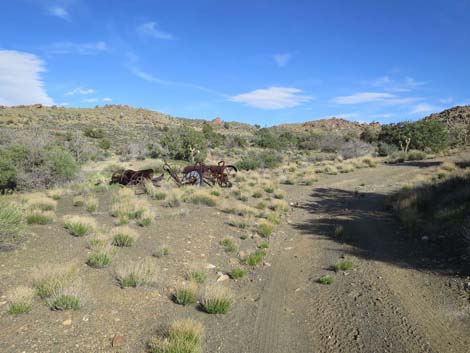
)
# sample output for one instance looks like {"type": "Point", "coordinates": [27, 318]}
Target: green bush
{"type": "Point", "coordinates": [238, 273]}
{"type": "Point", "coordinates": [184, 296]}
{"type": "Point", "coordinates": [7, 170]}
{"type": "Point", "coordinates": [265, 230]}
{"type": "Point", "coordinates": [11, 220]}
{"type": "Point", "coordinates": [343, 265]}
{"type": "Point", "coordinates": [185, 144]}
{"type": "Point", "coordinates": [415, 155]}
{"type": "Point", "coordinates": [105, 144]}
{"type": "Point", "coordinates": [326, 279]}
{"type": "Point", "coordinates": [98, 259]}
{"type": "Point", "coordinates": [264, 159]}
{"type": "Point", "coordinates": [255, 258]}
{"type": "Point", "coordinates": [64, 302]}
{"type": "Point", "coordinates": [61, 163]}
{"type": "Point", "coordinates": [94, 132]}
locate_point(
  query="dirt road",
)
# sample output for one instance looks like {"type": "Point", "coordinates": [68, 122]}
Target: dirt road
{"type": "Point", "coordinates": [393, 300]}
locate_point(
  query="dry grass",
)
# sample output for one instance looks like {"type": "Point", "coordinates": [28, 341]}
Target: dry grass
{"type": "Point", "coordinates": [127, 207]}
{"type": "Point", "coordinates": [124, 236]}
{"type": "Point", "coordinates": [39, 201]}
{"type": "Point", "coordinates": [203, 197]}
{"type": "Point", "coordinates": [91, 203]}
{"type": "Point", "coordinates": [101, 256]}
{"type": "Point", "coordinates": [173, 198]}
{"type": "Point", "coordinates": [137, 273]}
{"type": "Point", "coordinates": [237, 208]}
{"type": "Point", "coordinates": [49, 278]}
{"type": "Point", "coordinates": [66, 298]}
{"type": "Point", "coordinates": [216, 300]}
{"type": "Point", "coordinates": [80, 225]}
{"type": "Point", "coordinates": [185, 293]}
{"type": "Point", "coordinates": [184, 336]}
{"type": "Point", "coordinates": [56, 194]}
{"type": "Point", "coordinates": [40, 217]}
{"type": "Point", "coordinates": [20, 300]}
{"type": "Point", "coordinates": [279, 205]}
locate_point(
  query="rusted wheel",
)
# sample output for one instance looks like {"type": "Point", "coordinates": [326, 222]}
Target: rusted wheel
{"type": "Point", "coordinates": [194, 177]}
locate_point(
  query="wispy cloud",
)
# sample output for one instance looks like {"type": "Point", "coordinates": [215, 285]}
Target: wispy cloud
{"type": "Point", "coordinates": [80, 90]}
{"type": "Point", "coordinates": [424, 108]}
{"type": "Point", "coordinates": [363, 97]}
{"type": "Point", "coordinates": [77, 48]}
{"type": "Point", "coordinates": [272, 98]}
{"type": "Point", "coordinates": [387, 83]}
{"type": "Point", "coordinates": [107, 99]}
{"type": "Point", "coordinates": [20, 79]}
{"type": "Point", "coordinates": [59, 12]}
{"type": "Point", "coordinates": [446, 100]}
{"type": "Point", "coordinates": [150, 29]}
{"type": "Point", "coordinates": [282, 59]}
{"type": "Point", "coordinates": [90, 100]}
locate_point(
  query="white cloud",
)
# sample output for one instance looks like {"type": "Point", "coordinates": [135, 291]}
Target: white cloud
{"type": "Point", "coordinates": [363, 97]}
{"type": "Point", "coordinates": [78, 48]}
{"type": "Point", "coordinates": [59, 12]}
{"type": "Point", "coordinates": [282, 59]}
{"type": "Point", "coordinates": [405, 84]}
{"type": "Point", "coordinates": [20, 79]}
{"type": "Point", "coordinates": [80, 90]}
{"type": "Point", "coordinates": [107, 99]}
{"type": "Point", "coordinates": [424, 108]}
{"type": "Point", "coordinates": [446, 100]}
{"type": "Point", "coordinates": [90, 100]}
{"type": "Point", "coordinates": [272, 98]}
{"type": "Point", "coordinates": [150, 29]}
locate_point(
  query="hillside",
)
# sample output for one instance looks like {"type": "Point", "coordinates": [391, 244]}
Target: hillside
{"type": "Point", "coordinates": [457, 120]}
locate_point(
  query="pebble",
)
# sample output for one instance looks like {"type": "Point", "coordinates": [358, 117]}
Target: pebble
{"type": "Point", "coordinates": [222, 277]}
{"type": "Point", "coordinates": [118, 341]}
{"type": "Point", "coordinates": [67, 322]}
{"type": "Point", "coordinates": [210, 266]}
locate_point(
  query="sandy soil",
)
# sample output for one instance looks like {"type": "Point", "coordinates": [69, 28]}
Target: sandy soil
{"type": "Point", "coordinates": [395, 299]}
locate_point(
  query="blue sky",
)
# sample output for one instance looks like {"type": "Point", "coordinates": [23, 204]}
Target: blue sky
{"type": "Point", "coordinates": [264, 62]}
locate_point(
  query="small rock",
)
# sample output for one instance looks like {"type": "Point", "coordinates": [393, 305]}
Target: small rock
{"type": "Point", "coordinates": [424, 238]}
{"type": "Point", "coordinates": [267, 264]}
{"type": "Point", "coordinates": [3, 303]}
{"type": "Point", "coordinates": [67, 322]}
{"type": "Point", "coordinates": [242, 254]}
{"type": "Point", "coordinates": [210, 266]}
{"type": "Point", "coordinates": [118, 341]}
{"type": "Point", "coordinates": [222, 278]}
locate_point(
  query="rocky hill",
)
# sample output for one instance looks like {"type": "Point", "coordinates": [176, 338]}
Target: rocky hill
{"type": "Point", "coordinates": [457, 120]}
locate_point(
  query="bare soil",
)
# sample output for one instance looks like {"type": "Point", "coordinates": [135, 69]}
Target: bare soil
{"type": "Point", "coordinates": [399, 297]}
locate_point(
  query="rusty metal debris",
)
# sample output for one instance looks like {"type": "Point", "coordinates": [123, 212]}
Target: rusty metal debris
{"type": "Point", "coordinates": [135, 177]}
{"type": "Point", "coordinates": [200, 173]}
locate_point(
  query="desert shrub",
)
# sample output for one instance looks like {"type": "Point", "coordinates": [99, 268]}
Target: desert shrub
{"type": "Point", "coordinates": [397, 157]}
{"type": "Point", "coordinates": [264, 159]}
{"type": "Point", "coordinates": [370, 134]}
{"type": "Point", "coordinates": [94, 132]}
{"type": "Point", "coordinates": [229, 245]}
{"type": "Point", "coordinates": [213, 138]}
{"type": "Point", "coordinates": [184, 336]}
{"type": "Point", "coordinates": [91, 203]}
{"type": "Point", "coordinates": [127, 207]}
{"type": "Point", "coordinates": [79, 226]}
{"type": "Point", "coordinates": [153, 191]}
{"type": "Point", "coordinates": [136, 273]}
{"type": "Point", "coordinates": [185, 144]}
{"type": "Point", "coordinates": [161, 251]}
{"type": "Point", "coordinates": [105, 144]}
{"type": "Point", "coordinates": [61, 163]}
{"type": "Point", "coordinates": [20, 300]}
{"type": "Point", "coordinates": [173, 198]}
{"type": "Point", "coordinates": [203, 198]}
{"type": "Point", "coordinates": [415, 155]}
{"type": "Point", "coordinates": [386, 149]}
{"type": "Point", "coordinates": [197, 276]}
{"type": "Point", "coordinates": [238, 273]}
{"type": "Point", "coordinates": [265, 229]}
{"type": "Point", "coordinates": [355, 149]}
{"type": "Point", "coordinates": [124, 236]}
{"type": "Point", "coordinates": [326, 279]}
{"type": "Point", "coordinates": [7, 170]}
{"type": "Point", "coordinates": [185, 295]}
{"type": "Point", "coordinates": [51, 278]}
{"type": "Point", "coordinates": [343, 265]}
{"type": "Point", "coordinates": [256, 257]}
{"type": "Point", "coordinates": [146, 218]}
{"type": "Point", "coordinates": [66, 298]}
{"type": "Point", "coordinates": [40, 217]}
{"type": "Point", "coordinates": [263, 246]}
{"type": "Point", "coordinates": [216, 300]}
{"type": "Point", "coordinates": [11, 220]}
{"type": "Point", "coordinates": [265, 139]}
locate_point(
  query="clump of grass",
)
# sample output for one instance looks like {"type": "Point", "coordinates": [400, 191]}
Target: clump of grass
{"type": "Point", "coordinates": [237, 209]}
{"type": "Point", "coordinates": [269, 189]}
{"type": "Point", "coordinates": [146, 219]}
{"type": "Point", "coordinates": [216, 300]}
{"type": "Point", "coordinates": [11, 219]}
{"type": "Point", "coordinates": [50, 278]}
{"type": "Point", "coordinates": [79, 226]}
{"type": "Point", "coordinates": [197, 276]}
{"type": "Point", "coordinates": [136, 273]}
{"type": "Point", "coordinates": [265, 229]}
{"type": "Point", "coordinates": [91, 203]}
{"type": "Point", "coordinates": [185, 294]}
{"type": "Point", "coordinates": [126, 207]}
{"type": "Point", "coordinates": [215, 193]}
{"type": "Point", "coordinates": [274, 219]}
{"type": "Point", "coordinates": [343, 265]}
{"type": "Point", "coordinates": [173, 198]}
{"type": "Point", "coordinates": [21, 300]}
{"type": "Point", "coordinates": [56, 194]}
{"type": "Point", "coordinates": [202, 197]}
{"type": "Point", "coordinates": [184, 336]}
{"type": "Point", "coordinates": [123, 236]}
{"type": "Point", "coordinates": [326, 279]}
{"type": "Point", "coordinates": [256, 257]}
{"type": "Point", "coordinates": [161, 251]}
{"type": "Point", "coordinates": [41, 202]}
{"type": "Point", "coordinates": [279, 206]}
{"type": "Point", "coordinates": [261, 205]}
{"type": "Point", "coordinates": [78, 201]}
{"type": "Point", "coordinates": [153, 191]}
{"type": "Point", "coordinates": [263, 246]}
{"type": "Point", "coordinates": [238, 273]}
{"type": "Point", "coordinates": [279, 195]}
{"type": "Point", "coordinates": [339, 231]}
{"type": "Point", "coordinates": [228, 245]}
{"type": "Point", "coordinates": [257, 195]}
{"type": "Point", "coordinates": [40, 217]}
{"type": "Point", "coordinates": [68, 298]}
{"type": "Point", "coordinates": [100, 257]}
{"type": "Point", "coordinates": [238, 224]}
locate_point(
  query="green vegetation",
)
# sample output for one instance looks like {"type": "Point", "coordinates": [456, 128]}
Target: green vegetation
{"type": "Point", "coordinates": [256, 257]}
{"type": "Point", "coordinates": [39, 217]}
{"type": "Point", "coordinates": [184, 336]}
{"type": "Point", "coordinates": [21, 300]}
{"type": "Point", "coordinates": [238, 273]}
{"type": "Point", "coordinates": [11, 220]}
{"type": "Point", "coordinates": [263, 159]}
{"type": "Point", "coordinates": [197, 276]}
{"type": "Point", "coordinates": [185, 295]}
{"type": "Point", "coordinates": [99, 259]}
{"type": "Point", "coordinates": [228, 245]}
{"type": "Point", "coordinates": [216, 300]}
{"type": "Point", "coordinates": [326, 279]}
{"type": "Point", "coordinates": [64, 302]}
{"type": "Point", "coordinates": [265, 229]}
{"type": "Point", "coordinates": [343, 265]}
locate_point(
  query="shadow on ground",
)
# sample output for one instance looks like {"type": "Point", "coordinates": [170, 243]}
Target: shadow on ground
{"type": "Point", "coordinates": [375, 233]}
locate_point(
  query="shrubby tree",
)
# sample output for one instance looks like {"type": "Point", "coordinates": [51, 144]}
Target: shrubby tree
{"type": "Point", "coordinates": [185, 144]}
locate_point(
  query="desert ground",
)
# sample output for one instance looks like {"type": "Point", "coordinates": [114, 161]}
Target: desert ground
{"type": "Point", "coordinates": [397, 293]}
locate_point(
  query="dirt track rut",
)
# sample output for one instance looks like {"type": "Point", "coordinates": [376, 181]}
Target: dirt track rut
{"type": "Point", "coordinates": [385, 304]}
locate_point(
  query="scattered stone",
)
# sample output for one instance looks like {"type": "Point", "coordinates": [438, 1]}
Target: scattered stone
{"type": "Point", "coordinates": [210, 266]}
{"type": "Point", "coordinates": [222, 277]}
{"type": "Point", "coordinates": [242, 254]}
{"type": "Point", "coordinates": [3, 303]}
{"type": "Point", "coordinates": [67, 322]}
{"type": "Point", "coordinates": [267, 264]}
{"type": "Point", "coordinates": [288, 248]}
{"type": "Point", "coordinates": [118, 341]}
